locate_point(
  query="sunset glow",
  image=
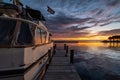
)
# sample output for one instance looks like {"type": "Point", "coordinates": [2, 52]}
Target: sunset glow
{"type": "Point", "coordinates": [91, 44]}
{"type": "Point", "coordinates": [84, 38]}
{"type": "Point", "coordinates": [60, 39]}
{"type": "Point", "coordinates": [80, 19]}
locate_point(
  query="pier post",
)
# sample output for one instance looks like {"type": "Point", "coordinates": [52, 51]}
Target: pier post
{"type": "Point", "coordinates": [64, 46]}
{"type": "Point", "coordinates": [66, 51]}
{"type": "Point", "coordinates": [71, 56]}
{"type": "Point", "coordinates": [54, 49]}
{"type": "Point", "coordinates": [55, 46]}
{"type": "Point", "coordinates": [49, 55]}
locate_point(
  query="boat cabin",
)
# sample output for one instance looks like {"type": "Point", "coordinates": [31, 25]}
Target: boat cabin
{"type": "Point", "coordinates": [18, 32]}
{"type": "Point", "coordinates": [24, 44]}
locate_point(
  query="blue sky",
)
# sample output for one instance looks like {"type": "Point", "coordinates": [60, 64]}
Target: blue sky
{"type": "Point", "coordinates": [80, 18]}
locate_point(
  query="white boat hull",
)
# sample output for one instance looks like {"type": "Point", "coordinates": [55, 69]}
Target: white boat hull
{"type": "Point", "coordinates": [21, 59]}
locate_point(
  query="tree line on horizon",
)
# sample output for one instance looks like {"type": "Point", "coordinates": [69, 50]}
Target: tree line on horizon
{"type": "Point", "coordinates": [115, 38]}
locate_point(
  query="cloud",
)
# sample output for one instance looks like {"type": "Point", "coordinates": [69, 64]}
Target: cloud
{"type": "Point", "coordinates": [62, 20]}
{"type": "Point", "coordinates": [110, 32]}
{"type": "Point", "coordinates": [97, 11]}
{"type": "Point", "coordinates": [78, 15]}
{"type": "Point", "coordinates": [70, 35]}
{"type": "Point", "coordinates": [76, 28]}
{"type": "Point", "coordinates": [105, 23]}
{"type": "Point", "coordinates": [113, 2]}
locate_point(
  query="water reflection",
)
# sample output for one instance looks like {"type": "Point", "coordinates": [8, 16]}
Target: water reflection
{"type": "Point", "coordinates": [97, 61]}
{"type": "Point", "coordinates": [114, 45]}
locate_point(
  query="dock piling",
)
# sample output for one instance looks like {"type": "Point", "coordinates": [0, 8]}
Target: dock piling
{"type": "Point", "coordinates": [71, 56]}
{"type": "Point", "coordinates": [66, 51]}
{"type": "Point", "coordinates": [64, 46]}
{"type": "Point", "coordinates": [60, 68]}
{"type": "Point", "coordinates": [49, 55]}
{"type": "Point", "coordinates": [55, 46]}
{"type": "Point", "coordinates": [54, 49]}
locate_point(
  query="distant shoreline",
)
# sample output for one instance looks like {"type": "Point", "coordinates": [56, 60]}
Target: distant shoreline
{"type": "Point", "coordinates": [106, 41]}
{"type": "Point", "coordinates": [74, 41]}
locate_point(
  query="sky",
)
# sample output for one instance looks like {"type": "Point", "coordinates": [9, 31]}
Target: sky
{"type": "Point", "coordinates": [80, 19]}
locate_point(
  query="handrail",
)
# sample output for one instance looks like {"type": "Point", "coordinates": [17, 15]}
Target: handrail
{"type": "Point", "coordinates": [27, 21]}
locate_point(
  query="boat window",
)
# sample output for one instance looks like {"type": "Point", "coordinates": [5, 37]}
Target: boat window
{"type": "Point", "coordinates": [38, 36]}
{"type": "Point", "coordinates": [25, 36]}
{"type": "Point", "coordinates": [47, 37]}
{"type": "Point", "coordinates": [44, 35]}
{"type": "Point", "coordinates": [6, 31]}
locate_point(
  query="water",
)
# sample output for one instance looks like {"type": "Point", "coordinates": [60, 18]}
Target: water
{"type": "Point", "coordinates": [97, 61]}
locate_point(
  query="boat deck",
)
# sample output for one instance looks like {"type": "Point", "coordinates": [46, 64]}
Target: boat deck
{"type": "Point", "coordinates": [60, 68]}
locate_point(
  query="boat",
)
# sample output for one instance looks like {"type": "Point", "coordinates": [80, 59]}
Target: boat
{"type": "Point", "coordinates": [25, 45]}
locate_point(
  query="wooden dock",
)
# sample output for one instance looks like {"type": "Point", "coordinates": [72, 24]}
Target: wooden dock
{"type": "Point", "coordinates": [60, 68]}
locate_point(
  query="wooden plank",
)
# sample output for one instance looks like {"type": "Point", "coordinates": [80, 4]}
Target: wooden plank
{"type": "Point", "coordinates": [60, 68]}
{"type": "Point", "coordinates": [61, 76]}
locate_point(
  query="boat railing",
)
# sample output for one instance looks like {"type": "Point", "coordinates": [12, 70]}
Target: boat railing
{"type": "Point", "coordinates": [26, 21]}
{"type": "Point", "coordinates": [22, 32]}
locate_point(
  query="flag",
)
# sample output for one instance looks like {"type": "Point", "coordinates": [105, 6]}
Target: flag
{"type": "Point", "coordinates": [50, 10]}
